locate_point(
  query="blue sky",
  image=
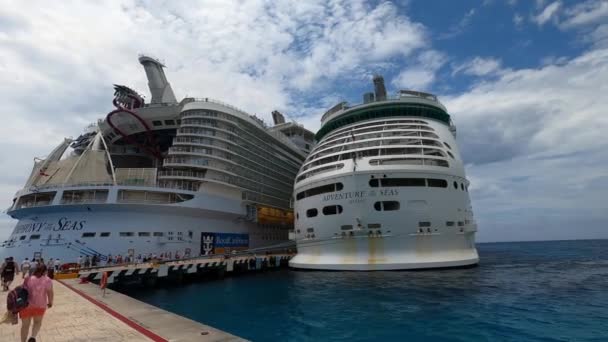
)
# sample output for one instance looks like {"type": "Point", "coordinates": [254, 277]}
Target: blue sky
{"type": "Point", "coordinates": [525, 83]}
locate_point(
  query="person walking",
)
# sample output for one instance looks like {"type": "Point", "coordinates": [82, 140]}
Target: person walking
{"type": "Point", "coordinates": [50, 270]}
{"type": "Point", "coordinates": [40, 297]}
{"type": "Point", "coordinates": [9, 269]}
{"type": "Point", "coordinates": [25, 268]}
{"type": "Point", "coordinates": [87, 262]}
{"type": "Point", "coordinates": [57, 265]}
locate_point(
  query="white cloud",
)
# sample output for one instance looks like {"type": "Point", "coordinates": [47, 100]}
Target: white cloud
{"type": "Point", "coordinates": [459, 27]}
{"type": "Point", "coordinates": [422, 74]}
{"type": "Point", "coordinates": [549, 12]}
{"type": "Point", "coordinates": [586, 13]}
{"type": "Point", "coordinates": [535, 143]}
{"type": "Point", "coordinates": [518, 21]}
{"type": "Point", "coordinates": [478, 66]}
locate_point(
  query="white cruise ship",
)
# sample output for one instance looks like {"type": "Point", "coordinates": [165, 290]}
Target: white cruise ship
{"type": "Point", "coordinates": [384, 189]}
{"type": "Point", "coordinates": [191, 177]}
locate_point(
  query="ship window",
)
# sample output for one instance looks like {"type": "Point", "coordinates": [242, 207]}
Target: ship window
{"type": "Point", "coordinates": [319, 190]}
{"type": "Point", "coordinates": [374, 225]}
{"type": "Point", "coordinates": [158, 234]}
{"type": "Point", "coordinates": [332, 210]}
{"type": "Point", "coordinates": [392, 182]}
{"type": "Point", "coordinates": [310, 230]}
{"type": "Point", "coordinates": [447, 145]}
{"type": "Point", "coordinates": [450, 154]}
{"type": "Point", "coordinates": [105, 234]}
{"type": "Point", "coordinates": [143, 233]}
{"type": "Point", "coordinates": [424, 224]}
{"type": "Point", "coordinates": [462, 186]}
{"type": "Point", "coordinates": [455, 185]}
{"type": "Point", "coordinates": [437, 183]}
{"type": "Point", "coordinates": [386, 205]}
{"type": "Point", "coordinates": [312, 212]}
{"type": "Point", "coordinates": [169, 122]}
{"type": "Point", "coordinates": [157, 123]}
{"type": "Point", "coordinates": [22, 237]}
{"type": "Point", "coordinates": [449, 223]}
{"type": "Point", "coordinates": [402, 182]}
{"type": "Point", "coordinates": [347, 227]}
{"type": "Point", "coordinates": [126, 234]}
{"type": "Point", "coordinates": [35, 237]}
{"type": "Point", "coordinates": [179, 122]}
{"type": "Point", "coordinates": [88, 235]}
{"type": "Point", "coordinates": [460, 224]}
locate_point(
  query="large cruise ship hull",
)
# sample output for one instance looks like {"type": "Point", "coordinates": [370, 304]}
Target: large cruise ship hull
{"type": "Point", "coordinates": [69, 231]}
{"type": "Point", "coordinates": [396, 240]}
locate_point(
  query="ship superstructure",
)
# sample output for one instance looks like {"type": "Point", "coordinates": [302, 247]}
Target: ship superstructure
{"type": "Point", "coordinates": [384, 188]}
{"type": "Point", "coordinates": [192, 177]}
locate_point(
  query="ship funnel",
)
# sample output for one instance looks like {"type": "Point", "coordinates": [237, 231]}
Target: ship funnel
{"type": "Point", "coordinates": [159, 86]}
{"type": "Point", "coordinates": [379, 88]}
{"type": "Point", "coordinates": [277, 117]}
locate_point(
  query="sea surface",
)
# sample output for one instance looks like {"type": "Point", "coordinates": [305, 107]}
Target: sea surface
{"type": "Point", "coordinates": [523, 291]}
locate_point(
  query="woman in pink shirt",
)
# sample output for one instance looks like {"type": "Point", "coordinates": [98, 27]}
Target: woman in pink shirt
{"type": "Point", "coordinates": [40, 297]}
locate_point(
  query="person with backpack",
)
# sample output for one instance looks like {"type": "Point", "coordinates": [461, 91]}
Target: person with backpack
{"type": "Point", "coordinates": [9, 268]}
{"type": "Point", "coordinates": [40, 297]}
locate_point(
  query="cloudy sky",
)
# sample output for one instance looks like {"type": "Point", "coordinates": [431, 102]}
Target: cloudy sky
{"type": "Point", "coordinates": [526, 83]}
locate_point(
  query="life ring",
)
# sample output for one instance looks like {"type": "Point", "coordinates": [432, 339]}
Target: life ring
{"type": "Point", "coordinates": [104, 280]}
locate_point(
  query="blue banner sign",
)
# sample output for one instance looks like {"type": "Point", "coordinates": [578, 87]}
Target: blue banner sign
{"type": "Point", "coordinates": [219, 243]}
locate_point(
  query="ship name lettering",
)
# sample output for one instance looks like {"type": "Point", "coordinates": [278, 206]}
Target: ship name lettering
{"type": "Point", "coordinates": [65, 224]}
{"type": "Point", "coordinates": [389, 192]}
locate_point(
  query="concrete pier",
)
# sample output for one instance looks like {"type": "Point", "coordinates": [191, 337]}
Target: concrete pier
{"type": "Point", "coordinates": [150, 274]}
{"type": "Point", "coordinates": [80, 313]}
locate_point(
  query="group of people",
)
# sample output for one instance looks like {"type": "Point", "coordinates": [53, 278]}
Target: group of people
{"type": "Point", "coordinates": [96, 260]}
{"type": "Point", "coordinates": [37, 280]}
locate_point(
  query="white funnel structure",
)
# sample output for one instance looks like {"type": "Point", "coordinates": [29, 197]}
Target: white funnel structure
{"type": "Point", "coordinates": [159, 86]}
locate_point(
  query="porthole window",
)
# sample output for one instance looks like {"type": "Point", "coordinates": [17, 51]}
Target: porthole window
{"type": "Point", "coordinates": [22, 237]}
{"type": "Point", "coordinates": [462, 186]}
{"type": "Point", "coordinates": [88, 235]}
{"type": "Point", "coordinates": [35, 237]}
{"type": "Point", "coordinates": [332, 210]}
{"type": "Point", "coordinates": [312, 212]}
{"type": "Point", "coordinates": [455, 185]}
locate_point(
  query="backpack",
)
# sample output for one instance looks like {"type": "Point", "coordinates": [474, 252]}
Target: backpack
{"type": "Point", "coordinates": [17, 299]}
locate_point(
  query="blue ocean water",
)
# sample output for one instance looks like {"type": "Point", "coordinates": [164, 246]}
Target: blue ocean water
{"type": "Point", "coordinates": [524, 291]}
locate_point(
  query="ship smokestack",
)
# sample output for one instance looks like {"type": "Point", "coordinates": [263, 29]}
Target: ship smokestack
{"type": "Point", "coordinates": [157, 82]}
{"type": "Point", "coordinates": [379, 88]}
{"type": "Point", "coordinates": [277, 117]}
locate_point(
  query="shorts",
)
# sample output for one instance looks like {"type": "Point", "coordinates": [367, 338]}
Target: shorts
{"type": "Point", "coordinates": [31, 311]}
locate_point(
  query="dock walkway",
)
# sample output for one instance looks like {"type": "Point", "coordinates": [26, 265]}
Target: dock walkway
{"type": "Point", "coordinates": [80, 313]}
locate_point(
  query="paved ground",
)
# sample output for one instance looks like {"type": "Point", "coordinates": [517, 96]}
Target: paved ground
{"type": "Point", "coordinates": [72, 318]}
